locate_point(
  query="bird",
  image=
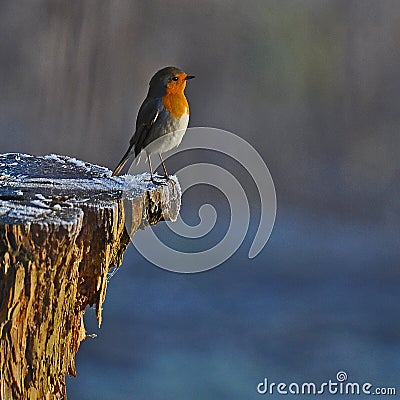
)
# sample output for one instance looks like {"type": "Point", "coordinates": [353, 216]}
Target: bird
{"type": "Point", "coordinates": [162, 118]}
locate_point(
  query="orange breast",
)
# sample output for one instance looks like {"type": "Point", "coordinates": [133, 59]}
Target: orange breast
{"type": "Point", "coordinates": [176, 104]}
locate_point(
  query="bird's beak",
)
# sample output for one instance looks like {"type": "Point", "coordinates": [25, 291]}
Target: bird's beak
{"type": "Point", "coordinates": [189, 77]}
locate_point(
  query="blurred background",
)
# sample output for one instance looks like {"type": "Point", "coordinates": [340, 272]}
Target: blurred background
{"type": "Point", "coordinates": [314, 86]}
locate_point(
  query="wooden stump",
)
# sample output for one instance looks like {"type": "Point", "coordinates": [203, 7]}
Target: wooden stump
{"type": "Point", "coordinates": [62, 227]}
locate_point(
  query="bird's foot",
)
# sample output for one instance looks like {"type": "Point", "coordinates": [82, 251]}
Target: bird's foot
{"type": "Point", "coordinates": [157, 183]}
{"type": "Point", "coordinates": [168, 179]}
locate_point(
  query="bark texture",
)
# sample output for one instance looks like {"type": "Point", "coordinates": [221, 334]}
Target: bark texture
{"type": "Point", "coordinates": [61, 230]}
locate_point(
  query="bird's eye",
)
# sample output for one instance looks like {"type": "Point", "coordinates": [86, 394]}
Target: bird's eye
{"type": "Point", "coordinates": [175, 78]}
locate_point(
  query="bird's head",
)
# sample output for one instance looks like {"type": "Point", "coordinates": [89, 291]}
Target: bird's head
{"type": "Point", "coordinates": [169, 80]}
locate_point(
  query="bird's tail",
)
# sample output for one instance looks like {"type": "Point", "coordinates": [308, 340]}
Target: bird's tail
{"type": "Point", "coordinates": [122, 163]}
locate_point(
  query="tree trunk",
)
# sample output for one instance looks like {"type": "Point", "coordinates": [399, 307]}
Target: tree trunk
{"type": "Point", "coordinates": [62, 227]}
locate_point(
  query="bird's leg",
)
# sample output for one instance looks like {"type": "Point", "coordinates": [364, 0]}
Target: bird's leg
{"type": "Point", "coordinates": [167, 178]}
{"type": "Point", "coordinates": [163, 165]}
{"type": "Point", "coordinates": [151, 172]}
{"type": "Point", "coordinates": [151, 169]}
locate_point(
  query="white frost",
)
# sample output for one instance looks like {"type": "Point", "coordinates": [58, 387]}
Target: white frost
{"type": "Point", "coordinates": [39, 203]}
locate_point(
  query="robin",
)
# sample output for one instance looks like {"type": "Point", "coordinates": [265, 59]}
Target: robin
{"type": "Point", "coordinates": [163, 115]}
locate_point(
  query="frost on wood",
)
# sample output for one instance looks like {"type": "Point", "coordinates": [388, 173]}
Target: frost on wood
{"type": "Point", "coordinates": [62, 227]}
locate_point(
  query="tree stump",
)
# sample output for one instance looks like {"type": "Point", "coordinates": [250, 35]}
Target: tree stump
{"type": "Point", "coordinates": [63, 225]}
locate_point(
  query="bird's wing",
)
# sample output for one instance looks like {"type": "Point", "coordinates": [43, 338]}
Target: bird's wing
{"type": "Point", "coordinates": [147, 116]}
